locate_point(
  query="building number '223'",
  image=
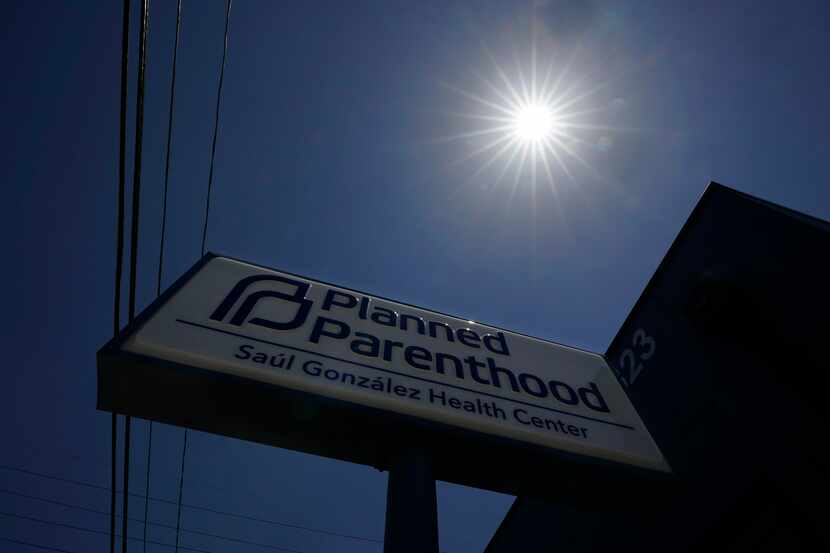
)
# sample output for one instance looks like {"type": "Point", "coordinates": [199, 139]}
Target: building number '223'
{"type": "Point", "coordinates": [631, 361]}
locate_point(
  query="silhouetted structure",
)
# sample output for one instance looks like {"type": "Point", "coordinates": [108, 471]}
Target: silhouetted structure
{"type": "Point", "coordinates": [726, 352]}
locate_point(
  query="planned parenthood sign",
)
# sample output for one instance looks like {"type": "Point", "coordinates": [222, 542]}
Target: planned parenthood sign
{"type": "Point", "coordinates": [278, 329]}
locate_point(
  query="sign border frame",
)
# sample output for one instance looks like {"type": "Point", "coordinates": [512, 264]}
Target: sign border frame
{"type": "Point", "coordinates": [337, 428]}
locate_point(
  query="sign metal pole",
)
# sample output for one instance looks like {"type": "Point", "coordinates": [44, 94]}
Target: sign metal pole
{"type": "Point", "coordinates": [411, 504]}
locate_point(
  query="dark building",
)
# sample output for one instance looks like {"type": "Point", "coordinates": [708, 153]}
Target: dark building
{"type": "Point", "coordinates": [724, 356]}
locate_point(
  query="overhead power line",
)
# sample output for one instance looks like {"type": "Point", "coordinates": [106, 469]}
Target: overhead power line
{"type": "Point", "coordinates": [119, 247]}
{"type": "Point", "coordinates": [216, 122]}
{"type": "Point", "coordinates": [170, 112]}
{"type": "Point", "coordinates": [240, 516]}
{"type": "Point", "coordinates": [35, 545]}
{"type": "Point", "coordinates": [114, 477]}
{"type": "Point", "coordinates": [135, 219]}
{"type": "Point", "coordinates": [91, 530]}
{"type": "Point", "coordinates": [57, 502]}
{"type": "Point", "coordinates": [207, 220]}
{"type": "Point", "coordinates": [126, 476]}
{"type": "Point", "coordinates": [147, 482]}
{"type": "Point", "coordinates": [60, 479]}
{"type": "Point", "coordinates": [139, 139]}
{"type": "Point", "coordinates": [181, 491]}
{"type": "Point", "coordinates": [122, 147]}
{"type": "Point", "coordinates": [152, 523]}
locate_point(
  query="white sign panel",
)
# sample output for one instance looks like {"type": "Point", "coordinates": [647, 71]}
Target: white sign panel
{"type": "Point", "coordinates": [297, 333]}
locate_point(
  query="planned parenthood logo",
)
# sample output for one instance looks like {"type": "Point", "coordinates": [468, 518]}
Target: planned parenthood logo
{"type": "Point", "coordinates": [370, 331]}
{"type": "Point", "coordinates": [240, 316]}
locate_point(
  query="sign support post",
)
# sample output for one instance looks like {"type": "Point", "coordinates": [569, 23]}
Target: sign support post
{"type": "Point", "coordinates": [411, 503]}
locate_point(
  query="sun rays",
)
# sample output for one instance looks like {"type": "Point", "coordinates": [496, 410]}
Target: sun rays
{"type": "Point", "coordinates": [528, 125]}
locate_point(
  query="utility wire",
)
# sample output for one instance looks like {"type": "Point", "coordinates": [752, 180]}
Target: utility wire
{"type": "Point", "coordinates": [147, 482]}
{"type": "Point", "coordinates": [58, 478]}
{"type": "Point", "coordinates": [119, 248]}
{"type": "Point", "coordinates": [194, 507]}
{"type": "Point", "coordinates": [126, 475]}
{"type": "Point", "coordinates": [169, 142]}
{"type": "Point", "coordinates": [90, 530]}
{"type": "Point", "coordinates": [139, 135]}
{"type": "Point", "coordinates": [161, 242]}
{"type": "Point", "coordinates": [207, 219]}
{"type": "Point", "coordinates": [122, 146]}
{"type": "Point", "coordinates": [139, 138]}
{"type": "Point", "coordinates": [216, 122]}
{"type": "Point", "coordinates": [35, 545]}
{"type": "Point", "coordinates": [114, 477]}
{"type": "Point", "coordinates": [181, 490]}
{"type": "Point", "coordinates": [60, 503]}
{"type": "Point", "coordinates": [152, 523]}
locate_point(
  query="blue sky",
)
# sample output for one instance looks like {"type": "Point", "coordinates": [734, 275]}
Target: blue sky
{"type": "Point", "coordinates": [339, 158]}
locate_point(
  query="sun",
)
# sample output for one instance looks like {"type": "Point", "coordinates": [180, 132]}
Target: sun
{"type": "Point", "coordinates": [533, 122]}
{"type": "Point", "coordinates": [526, 124]}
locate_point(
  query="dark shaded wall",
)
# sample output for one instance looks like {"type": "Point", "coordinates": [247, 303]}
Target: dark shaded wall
{"type": "Point", "coordinates": [725, 356]}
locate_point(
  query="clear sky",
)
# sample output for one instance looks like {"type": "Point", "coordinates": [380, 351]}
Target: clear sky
{"type": "Point", "coordinates": [345, 154]}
